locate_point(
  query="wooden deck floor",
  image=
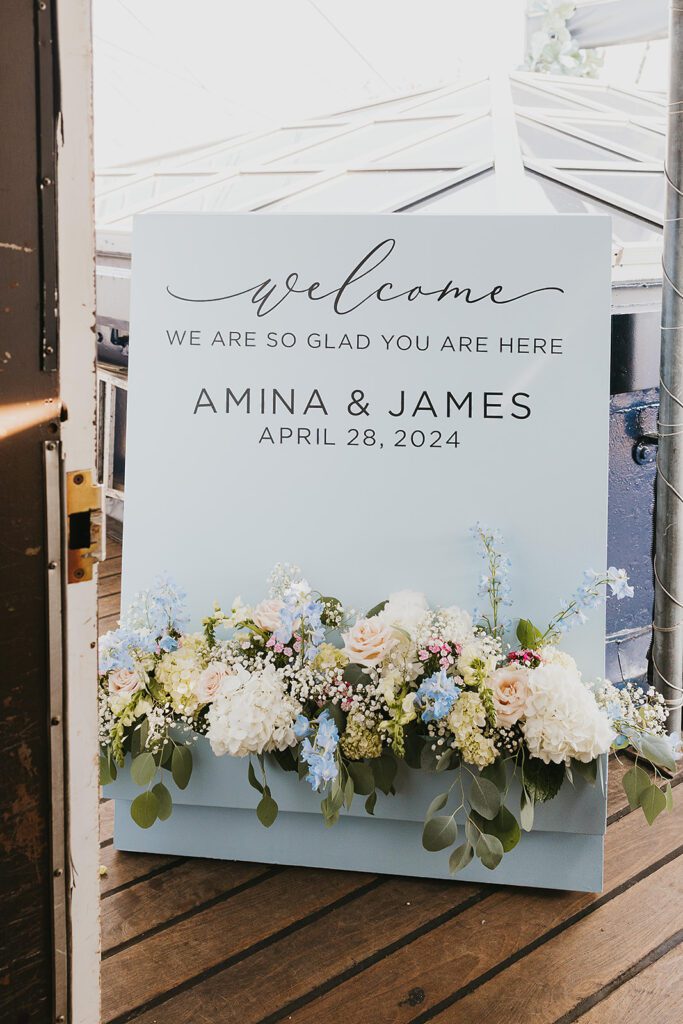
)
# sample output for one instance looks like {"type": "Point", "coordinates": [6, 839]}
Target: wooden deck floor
{"type": "Point", "coordinates": [204, 942]}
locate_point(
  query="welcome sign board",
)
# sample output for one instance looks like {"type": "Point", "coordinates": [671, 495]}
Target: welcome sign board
{"type": "Point", "coordinates": [352, 393]}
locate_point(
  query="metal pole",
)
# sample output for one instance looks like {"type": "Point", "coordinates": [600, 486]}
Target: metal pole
{"type": "Point", "coordinates": [667, 649]}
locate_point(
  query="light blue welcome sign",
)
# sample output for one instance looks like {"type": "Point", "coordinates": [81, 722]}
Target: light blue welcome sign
{"type": "Point", "coordinates": [352, 393]}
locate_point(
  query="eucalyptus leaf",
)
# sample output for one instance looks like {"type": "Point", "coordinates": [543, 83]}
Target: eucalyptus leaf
{"type": "Point", "coordinates": [437, 804]}
{"type": "Point", "coordinates": [348, 792]}
{"type": "Point", "coordinates": [285, 759]}
{"type": "Point", "coordinates": [526, 811]}
{"type": "Point", "coordinates": [587, 770]}
{"type": "Point", "coordinates": [181, 766]}
{"type": "Point", "coordinates": [266, 809]}
{"type": "Point", "coordinates": [143, 768]}
{"type": "Point", "coordinates": [496, 773]}
{"type": "Point", "coordinates": [489, 850]}
{"type": "Point", "coordinates": [363, 779]}
{"type": "Point", "coordinates": [384, 769]}
{"type": "Point", "coordinates": [484, 797]}
{"type": "Point", "coordinates": [253, 781]}
{"type": "Point", "coordinates": [460, 858]}
{"type": "Point", "coordinates": [635, 782]}
{"type": "Point", "coordinates": [656, 749]}
{"type": "Point", "coordinates": [376, 609]}
{"type": "Point", "coordinates": [439, 832]}
{"type": "Point", "coordinates": [371, 802]}
{"type": "Point", "coordinates": [669, 797]}
{"type": "Point", "coordinates": [144, 809]}
{"type": "Point", "coordinates": [504, 826]}
{"type": "Point", "coordinates": [653, 802]}
{"type": "Point", "coordinates": [107, 770]}
{"type": "Point", "coordinates": [443, 761]}
{"type": "Point", "coordinates": [164, 801]}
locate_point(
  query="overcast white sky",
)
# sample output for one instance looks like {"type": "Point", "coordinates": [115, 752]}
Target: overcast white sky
{"type": "Point", "coordinates": [170, 74]}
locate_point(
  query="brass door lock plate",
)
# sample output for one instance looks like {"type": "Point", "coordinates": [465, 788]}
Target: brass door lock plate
{"type": "Point", "coordinates": [83, 501]}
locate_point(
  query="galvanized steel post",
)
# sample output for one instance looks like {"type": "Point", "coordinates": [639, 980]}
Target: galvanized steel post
{"type": "Point", "coordinates": [667, 651]}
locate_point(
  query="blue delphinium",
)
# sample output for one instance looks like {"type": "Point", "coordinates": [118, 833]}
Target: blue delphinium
{"type": "Point", "coordinates": [300, 611]}
{"type": "Point", "coordinates": [301, 727]}
{"type": "Point", "coordinates": [321, 754]}
{"type": "Point", "coordinates": [147, 627]}
{"type": "Point", "coordinates": [436, 696]}
{"type": "Point", "coordinates": [589, 595]}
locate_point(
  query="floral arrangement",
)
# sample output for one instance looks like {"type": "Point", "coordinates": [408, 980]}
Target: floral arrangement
{"type": "Point", "coordinates": [552, 48]}
{"type": "Point", "coordinates": [340, 699]}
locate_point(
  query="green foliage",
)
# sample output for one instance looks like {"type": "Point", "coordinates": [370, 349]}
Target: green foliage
{"type": "Point", "coordinates": [496, 773]}
{"type": "Point", "coordinates": [371, 802]}
{"type": "Point", "coordinates": [376, 609]}
{"type": "Point", "coordinates": [144, 809]}
{"type": "Point", "coordinates": [460, 858]}
{"type": "Point", "coordinates": [526, 811]}
{"type": "Point", "coordinates": [542, 781]}
{"type": "Point", "coordinates": [484, 797]}
{"type": "Point", "coordinates": [253, 781]}
{"type": "Point", "coordinates": [181, 766]}
{"type": "Point", "coordinates": [266, 809]}
{"type": "Point", "coordinates": [653, 802]}
{"type": "Point", "coordinates": [437, 804]}
{"type": "Point", "coordinates": [439, 832]}
{"type": "Point", "coordinates": [143, 768]}
{"type": "Point", "coordinates": [643, 792]}
{"type": "Point", "coordinates": [528, 635]}
{"type": "Point", "coordinates": [384, 770]}
{"type": "Point", "coordinates": [286, 759]}
{"type": "Point", "coordinates": [655, 749]}
{"type": "Point", "coordinates": [636, 782]}
{"type": "Point", "coordinates": [587, 770]}
{"type": "Point", "coordinates": [504, 827]}
{"type": "Point", "coordinates": [164, 801]}
{"type": "Point", "coordinates": [489, 850]}
{"type": "Point", "coordinates": [362, 775]}
{"type": "Point", "coordinates": [108, 771]}
{"type": "Point", "coordinates": [336, 713]}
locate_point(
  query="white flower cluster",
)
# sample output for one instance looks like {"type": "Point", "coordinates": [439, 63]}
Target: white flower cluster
{"type": "Point", "coordinates": [562, 719]}
{"type": "Point", "coordinates": [467, 722]}
{"type": "Point", "coordinates": [252, 713]}
{"type": "Point", "coordinates": [553, 49]}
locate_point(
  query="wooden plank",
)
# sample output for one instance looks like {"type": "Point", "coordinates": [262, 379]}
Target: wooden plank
{"type": "Point", "coordinates": [111, 567]}
{"type": "Point", "coordinates": [551, 980]}
{"type": "Point", "coordinates": [110, 605]}
{"type": "Point", "coordinates": [107, 623]}
{"type": "Point", "coordinates": [106, 820]}
{"type": "Point", "coordinates": [460, 951]}
{"type": "Point", "coordinates": [123, 868]}
{"type": "Point", "coordinates": [655, 993]}
{"type": "Point", "coordinates": [107, 585]}
{"type": "Point", "coordinates": [114, 547]}
{"type": "Point", "coordinates": [150, 904]}
{"type": "Point", "coordinates": [142, 974]}
{"type": "Point", "coordinates": [387, 984]}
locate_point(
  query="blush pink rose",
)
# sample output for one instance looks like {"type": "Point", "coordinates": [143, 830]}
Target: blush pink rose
{"type": "Point", "coordinates": [210, 683]}
{"type": "Point", "coordinates": [510, 688]}
{"type": "Point", "coordinates": [368, 642]}
{"type": "Point", "coordinates": [266, 615]}
{"type": "Point", "coordinates": [126, 681]}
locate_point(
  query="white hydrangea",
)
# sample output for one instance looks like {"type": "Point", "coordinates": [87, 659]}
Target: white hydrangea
{"type": "Point", "coordinates": [405, 609]}
{"type": "Point", "coordinates": [253, 713]}
{"type": "Point", "coordinates": [552, 655]}
{"type": "Point", "coordinates": [455, 625]}
{"type": "Point", "coordinates": [563, 719]}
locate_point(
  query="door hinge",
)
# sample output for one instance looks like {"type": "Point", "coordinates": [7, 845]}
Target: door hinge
{"type": "Point", "coordinates": [83, 503]}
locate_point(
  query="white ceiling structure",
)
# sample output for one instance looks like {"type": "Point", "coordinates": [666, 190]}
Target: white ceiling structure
{"type": "Point", "coordinates": [521, 143]}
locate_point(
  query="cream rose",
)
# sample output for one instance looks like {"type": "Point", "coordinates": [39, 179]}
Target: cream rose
{"type": "Point", "coordinates": [266, 615]}
{"type": "Point", "coordinates": [210, 682]}
{"type": "Point", "coordinates": [510, 689]}
{"type": "Point", "coordinates": [126, 681]}
{"type": "Point", "coordinates": [368, 642]}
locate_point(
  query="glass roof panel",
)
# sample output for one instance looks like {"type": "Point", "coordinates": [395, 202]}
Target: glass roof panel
{"type": "Point", "coordinates": [644, 187]}
{"type": "Point", "coordinates": [564, 199]}
{"type": "Point", "coordinates": [525, 97]}
{"type": "Point", "coordinates": [465, 145]}
{"type": "Point", "coordinates": [616, 100]}
{"type": "Point", "coordinates": [144, 192]}
{"type": "Point", "coordinates": [366, 191]}
{"type": "Point", "coordinates": [265, 148]}
{"type": "Point", "coordinates": [547, 144]}
{"type": "Point", "coordinates": [460, 100]}
{"type": "Point", "coordinates": [475, 195]}
{"type": "Point", "coordinates": [364, 141]}
{"type": "Point", "coordinates": [649, 143]}
{"type": "Point", "coordinates": [104, 180]}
